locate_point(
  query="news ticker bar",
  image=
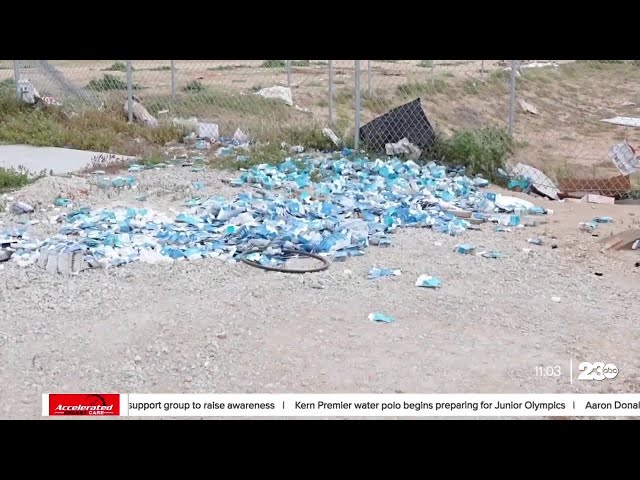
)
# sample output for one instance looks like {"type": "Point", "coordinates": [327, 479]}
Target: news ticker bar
{"type": "Point", "coordinates": [340, 405]}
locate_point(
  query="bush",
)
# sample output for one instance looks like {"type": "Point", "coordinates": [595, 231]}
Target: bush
{"type": "Point", "coordinates": [482, 151]}
{"type": "Point", "coordinates": [11, 178]}
{"type": "Point", "coordinates": [193, 86]}
{"type": "Point", "coordinates": [118, 67]}
{"type": "Point", "coordinates": [274, 64]}
{"type": "Point", "coordinates": [107, 82]}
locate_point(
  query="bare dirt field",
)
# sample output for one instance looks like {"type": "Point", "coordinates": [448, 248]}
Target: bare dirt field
{"type": "Point", "coordinates": [206, 326]}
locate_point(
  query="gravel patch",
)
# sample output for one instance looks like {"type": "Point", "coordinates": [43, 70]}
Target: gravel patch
{"type": "Point", "coordinates": [206, 326]}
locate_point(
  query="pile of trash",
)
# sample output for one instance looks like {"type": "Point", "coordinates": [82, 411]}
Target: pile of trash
{"type": "Point", "coordinates": [335, 205]}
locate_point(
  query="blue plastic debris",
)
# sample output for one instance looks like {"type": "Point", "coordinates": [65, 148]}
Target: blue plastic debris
{"type": "Point", "coordinates": [588, 226]}
{"type": "Point", "coordinates": [380, 317]}
{"type": "Point", "coordinates": [198, 185]}
{"type": "Point", "coordinates": [603, 220]}
{"type": "Point", "coordinates": [61, 202]}
{"type": "Point", "coordinates": [383, 272]}
{"type": "Point", "coordinates": [491, 254]}
{"type": "Point", "coordinates": [428, 281]}
{"type": "Point", "coordinates": [333, 204]}
{"type": "Point", "coordinates": [465, 248]}
{"type": "Point", "coordinates": [535, 241]}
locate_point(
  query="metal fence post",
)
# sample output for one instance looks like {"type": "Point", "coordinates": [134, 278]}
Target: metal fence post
{"type": "Point", "coordinates": [173, 79]}
{"type": "Point", "coordinates": [289, 73]}
{"type": "Point", "coordinates": [331, 93]}
{"type": "Point", "coordinates": [356, 140]}
{"type": "Point", "coordinates": [16, 78]}
{"type": "Point", "coordinates": [512, 103]}
{"type": "Point", "coordinates": [369, 77]}
{"type": "Point", "coordinates": [129, 91]}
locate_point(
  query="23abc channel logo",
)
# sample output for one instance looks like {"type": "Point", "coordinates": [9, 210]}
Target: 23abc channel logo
{"type": "Point", "coordinates": [597, 371]}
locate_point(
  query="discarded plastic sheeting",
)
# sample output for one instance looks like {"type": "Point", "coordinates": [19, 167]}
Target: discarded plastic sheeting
{"type": "Point", "coordinates": [277, 93]}
{"type": "Point", "coordinates": [543, 184]}
{"type": "Point", "coordinates": [406, 121]}
{"type": "Point", "coordinates": [624, 121]}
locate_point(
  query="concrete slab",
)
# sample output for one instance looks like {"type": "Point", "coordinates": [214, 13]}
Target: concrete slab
{"type": "Point", "coordinates": [37, 159]}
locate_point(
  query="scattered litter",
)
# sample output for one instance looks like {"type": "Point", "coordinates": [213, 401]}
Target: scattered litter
{"type": "Point", "coordinates": [437, 244]}
{"type": "Point", "coordinates": [528, 107]}
{"type": "Point", "coordinates": [208, 130]}
{"type": "Point", "coordinates": [240, 136]}
{"type": "Point", "coordinates": [5, 254]}
{"type": "Point", "coordinates": [637, 264]}
{"type": "Point", "coordinates": [357, 204]}
{"type": "Point", "coordinates": [202, 144]}
{"type": "Point", "coordinates": [198, 185]}
{"type": "Point", "coordinates": [406, 121]}
{"type": "Point", "coordinates": [428, 281]}
{"type": "Point", "coordinates": [140, 114]}
{"type": "Point", "coordinates": [188, 125]}
{"type": "Point", "coordinates": [588, 226]}
{"type": "Point", "coordinates": [278, 93]}
{"type": "Point", "coordinates": [480, 182]}
{"type": "Point", "coordinates": [403, 148]}
{"type": "Point", "coordinates": [380, 317]}
{"type": "Point", "coordinates": [61, 202]}
{"type": "Point", "coordinates": [296, 149]}
{"type": "Point", "coordinates": [624, 121]}
{"type": "Point", "coordinates": [19, 208]}
{"type": "Point", "coordinates": [526, 250]}
{"type": "Point", "coordinates": [328, 133]}
{"type": "Point", "coordinates": [532, 177]}
{"type": "Point", "coordinates": [535, 241]}
{"type": "Point", "coordinates": [598, 274]}
{"type": "Point", "coordinates": [465, 248]}
{"type": "Point", "coordinates": [556, 299]}
{"type": "Point", "coordinates": [603, 220]}
{"type": "Point", "coordinates": [383, 272]}
{"type": "Point", "coordinates": [624, 158]}
{"type": "Point", "coordinates": [490, 254]}
{"type": "Point", "coordinates": [554, 246]}
{"type": "Point", "coordinates": [593, 198]}
{"type": "Point", "coordinates": [635, 245]}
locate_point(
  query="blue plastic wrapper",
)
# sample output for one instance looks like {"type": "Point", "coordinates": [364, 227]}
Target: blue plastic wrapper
{"type": "Point", "coordinates": [381, 318]}
{"type": "Point", "coordinates": [427, 281]}
{"type": "Point", "coordinates": [383, 272]}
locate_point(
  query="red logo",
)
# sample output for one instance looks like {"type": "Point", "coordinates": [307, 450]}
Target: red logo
{"type": "Point", "coordinates": [98, 404]}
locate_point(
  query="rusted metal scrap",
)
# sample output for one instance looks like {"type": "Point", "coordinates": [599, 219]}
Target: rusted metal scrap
{"type": "Point", "coordinates": [608, 187]}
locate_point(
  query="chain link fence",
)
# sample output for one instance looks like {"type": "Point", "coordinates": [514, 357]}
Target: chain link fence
{"type": "Point", "coordinates": [546, 116]}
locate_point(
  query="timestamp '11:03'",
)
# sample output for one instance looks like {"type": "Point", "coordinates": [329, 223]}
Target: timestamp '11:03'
{"type": "Point", "coordinates": [548, 371]}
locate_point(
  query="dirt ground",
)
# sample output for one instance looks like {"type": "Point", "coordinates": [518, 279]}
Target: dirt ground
{"type": "Point", "coordinates": [206, 326]}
